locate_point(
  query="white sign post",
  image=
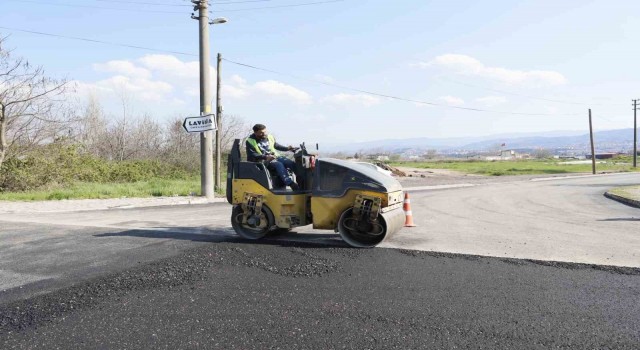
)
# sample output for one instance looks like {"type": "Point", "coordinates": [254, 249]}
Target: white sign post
{"type": "Point", "coordinates": [200, 124]}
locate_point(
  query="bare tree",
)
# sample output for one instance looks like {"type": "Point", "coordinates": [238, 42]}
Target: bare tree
{"type": "Point", "coordinates": [233, 127]}
{"type": "Point", "coordinates": [91, 129]}
{"type": "Point", "coordinates": [121, 128]}
{"type": "Point", "coordinates": [180, 147]}
{"type": "Point", "coordinates": [145, 139]}
{"type": "Point", "coordinates": [28, 105]}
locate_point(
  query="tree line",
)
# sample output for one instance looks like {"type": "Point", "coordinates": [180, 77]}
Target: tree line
{"type": "Point", "coordinates": [36, 112]}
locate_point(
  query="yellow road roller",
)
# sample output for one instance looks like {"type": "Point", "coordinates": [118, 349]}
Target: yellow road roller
{"type": "Point", "coordinates": [360, 203]}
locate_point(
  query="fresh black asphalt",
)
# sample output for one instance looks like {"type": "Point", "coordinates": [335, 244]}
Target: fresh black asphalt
{"type": "Point", "coordinates": [278, 295]}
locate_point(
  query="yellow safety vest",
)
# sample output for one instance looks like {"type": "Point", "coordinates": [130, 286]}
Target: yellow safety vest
{"type": "Point", "coordinates": [272, 141]}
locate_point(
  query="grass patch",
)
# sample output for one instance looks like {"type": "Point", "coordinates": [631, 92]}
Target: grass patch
{"type": "Point", "coordinates": [520, 167]}
{"type": "Point", "coordinates": [632, 192]}
{"type": "Point", "coordinates": [85, 190]}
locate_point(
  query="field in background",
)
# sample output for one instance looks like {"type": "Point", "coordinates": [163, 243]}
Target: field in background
{"type": "Point", "coordinates": [523, 167]}
{"type": "Point", "coordinates": [85, 190]}
{"type": "Point", "coordinates": [190, 185]}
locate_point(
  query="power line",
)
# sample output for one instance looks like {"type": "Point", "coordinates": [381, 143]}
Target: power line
{"type": "Point", "coordinates": [231, 2]}
{"type": "Point", "coordinates": [280, 6]}
{"type": "Point", "coordinates": [99, 41]}
{"type": "Point", "coordinates": [236, 2]}
{"type": "Point", "coordinates": [285, 74]}
{"type": "Point", "coordinates": [388, 96]}
{"type": "Point", "coordinates": [144, 3]}
{"type": "Point", "coordinates": [96, 7]}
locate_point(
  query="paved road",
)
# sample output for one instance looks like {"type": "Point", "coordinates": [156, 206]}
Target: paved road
{"type": "Point", "coordinates": [565, 219]}
{"type": "Point", "coordinates": [560, 219]}
{"type": "Point", "coordinates": [131, 278]}
{"type": "Point", "coordinates": [279, 295]}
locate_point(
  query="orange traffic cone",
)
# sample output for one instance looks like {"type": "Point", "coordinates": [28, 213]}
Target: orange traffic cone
{"type": "Point", "coordinates": [408, 222]}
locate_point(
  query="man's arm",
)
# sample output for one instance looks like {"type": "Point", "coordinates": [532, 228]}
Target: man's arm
{"type": "Point", "coordinates": [280, 147]}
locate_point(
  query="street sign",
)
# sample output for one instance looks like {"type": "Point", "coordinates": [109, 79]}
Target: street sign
{"type": "Point", "coordinates": [200, 124]}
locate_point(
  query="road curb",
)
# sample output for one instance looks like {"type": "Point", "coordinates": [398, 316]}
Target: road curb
{"type": "Point", "coordinates": [624, 200]}
{"type": "Point", "coordinates": [83, 205]}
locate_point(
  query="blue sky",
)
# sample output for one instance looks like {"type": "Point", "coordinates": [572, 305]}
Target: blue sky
{"type": "Point", "coordinates": [473, 54]}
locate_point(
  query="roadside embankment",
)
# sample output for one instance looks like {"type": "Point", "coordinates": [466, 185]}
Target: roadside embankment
{"type": "Point", "coordinates": [629, 195]}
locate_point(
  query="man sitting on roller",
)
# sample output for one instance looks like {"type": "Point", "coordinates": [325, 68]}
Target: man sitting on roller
{"type": "Point", "coordinates": [262, 147]}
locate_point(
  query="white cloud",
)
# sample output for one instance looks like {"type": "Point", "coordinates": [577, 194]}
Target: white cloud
{"type": "Point", "coordinates": [276, 88]}
{"type": "Point", "coordinates": [491, 101]}
{"type": "Point", "coordinates": [352, 99]}
{"type": "Point", "coordinates": [172, 66]}
{"type": "Point", "coordinates": [467, 65]}
{"type": "Point", "coordinates": [238, 88]}
{"type": "Point", "coordinates": [451, 100]}
{"type": "Point", "coordinates": [142, 89]}
{"type": "Point", "coordinates": [150, 78]}
{"type": "Point", "coordinates": [234, 92]}
{"type": "Point", "coordinates": [123, 67]}
{"type": "Point", "coordinates": [166, 81]}
{"type": "Point", "coordinates": [238, 80]}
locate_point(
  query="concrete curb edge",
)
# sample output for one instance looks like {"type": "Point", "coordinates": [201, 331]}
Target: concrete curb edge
{"type": "Point", "coordinates": [623, 200]}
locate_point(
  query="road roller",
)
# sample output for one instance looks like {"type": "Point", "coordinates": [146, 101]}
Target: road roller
{"type": "Point", "coordinates": [360, 203]}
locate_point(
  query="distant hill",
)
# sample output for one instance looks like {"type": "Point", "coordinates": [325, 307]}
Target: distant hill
{"type": "Point", "coordinates": [608, 140]}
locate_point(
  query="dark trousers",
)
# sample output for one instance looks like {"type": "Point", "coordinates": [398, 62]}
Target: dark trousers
{"type": "Point", "coordinates": [280, 165]}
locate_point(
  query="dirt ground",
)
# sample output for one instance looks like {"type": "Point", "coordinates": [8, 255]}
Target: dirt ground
{"type": "Point", "coordinates": [428, 177]}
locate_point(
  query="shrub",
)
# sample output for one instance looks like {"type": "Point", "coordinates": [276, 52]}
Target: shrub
{"type": "Point", "coordinates": [58, 165]}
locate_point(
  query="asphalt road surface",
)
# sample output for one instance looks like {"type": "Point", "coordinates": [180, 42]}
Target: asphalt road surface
{"type": "Point", "coordinates": [176, 277]}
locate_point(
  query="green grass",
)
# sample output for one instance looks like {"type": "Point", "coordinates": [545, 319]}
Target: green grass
{"type": "Point", "coordinates": [84, 190]}
{"type": "Point", "coordinates": [520, 167]}
{"type": "Point", "coordinates": [631, 192]}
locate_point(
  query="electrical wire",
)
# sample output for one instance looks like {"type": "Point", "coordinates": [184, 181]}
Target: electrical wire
{"type": "Point", "coordinates": [280, 6]}
{"type": "Point", "coordinates": [389, 96]}
{"type": "Point", "coordinates": [99, 41]}
{"type": "Point", "coordinates": [393, 97]}
{"type": "Point", "coordinates": [96, 7]}
{"type": "Point", "coordinates": [143, 3]}
{"type": "Point", "coordinates": [235, 2]}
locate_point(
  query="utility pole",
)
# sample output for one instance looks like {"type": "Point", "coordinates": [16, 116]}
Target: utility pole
{"type": "Point", "coordinates": [635, 133]}
{"type": "Point", "coordinates": [219, 124]}
{"type": "Point", "coordinates": [593, 153]}
{"type": "Point", "coordinates": [206, 138]}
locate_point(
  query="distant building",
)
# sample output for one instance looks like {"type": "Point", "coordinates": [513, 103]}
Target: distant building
{"type": "Point", "coordinates": [606, 155]}
{"type": "Point", "coordinates": [509, 155]}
